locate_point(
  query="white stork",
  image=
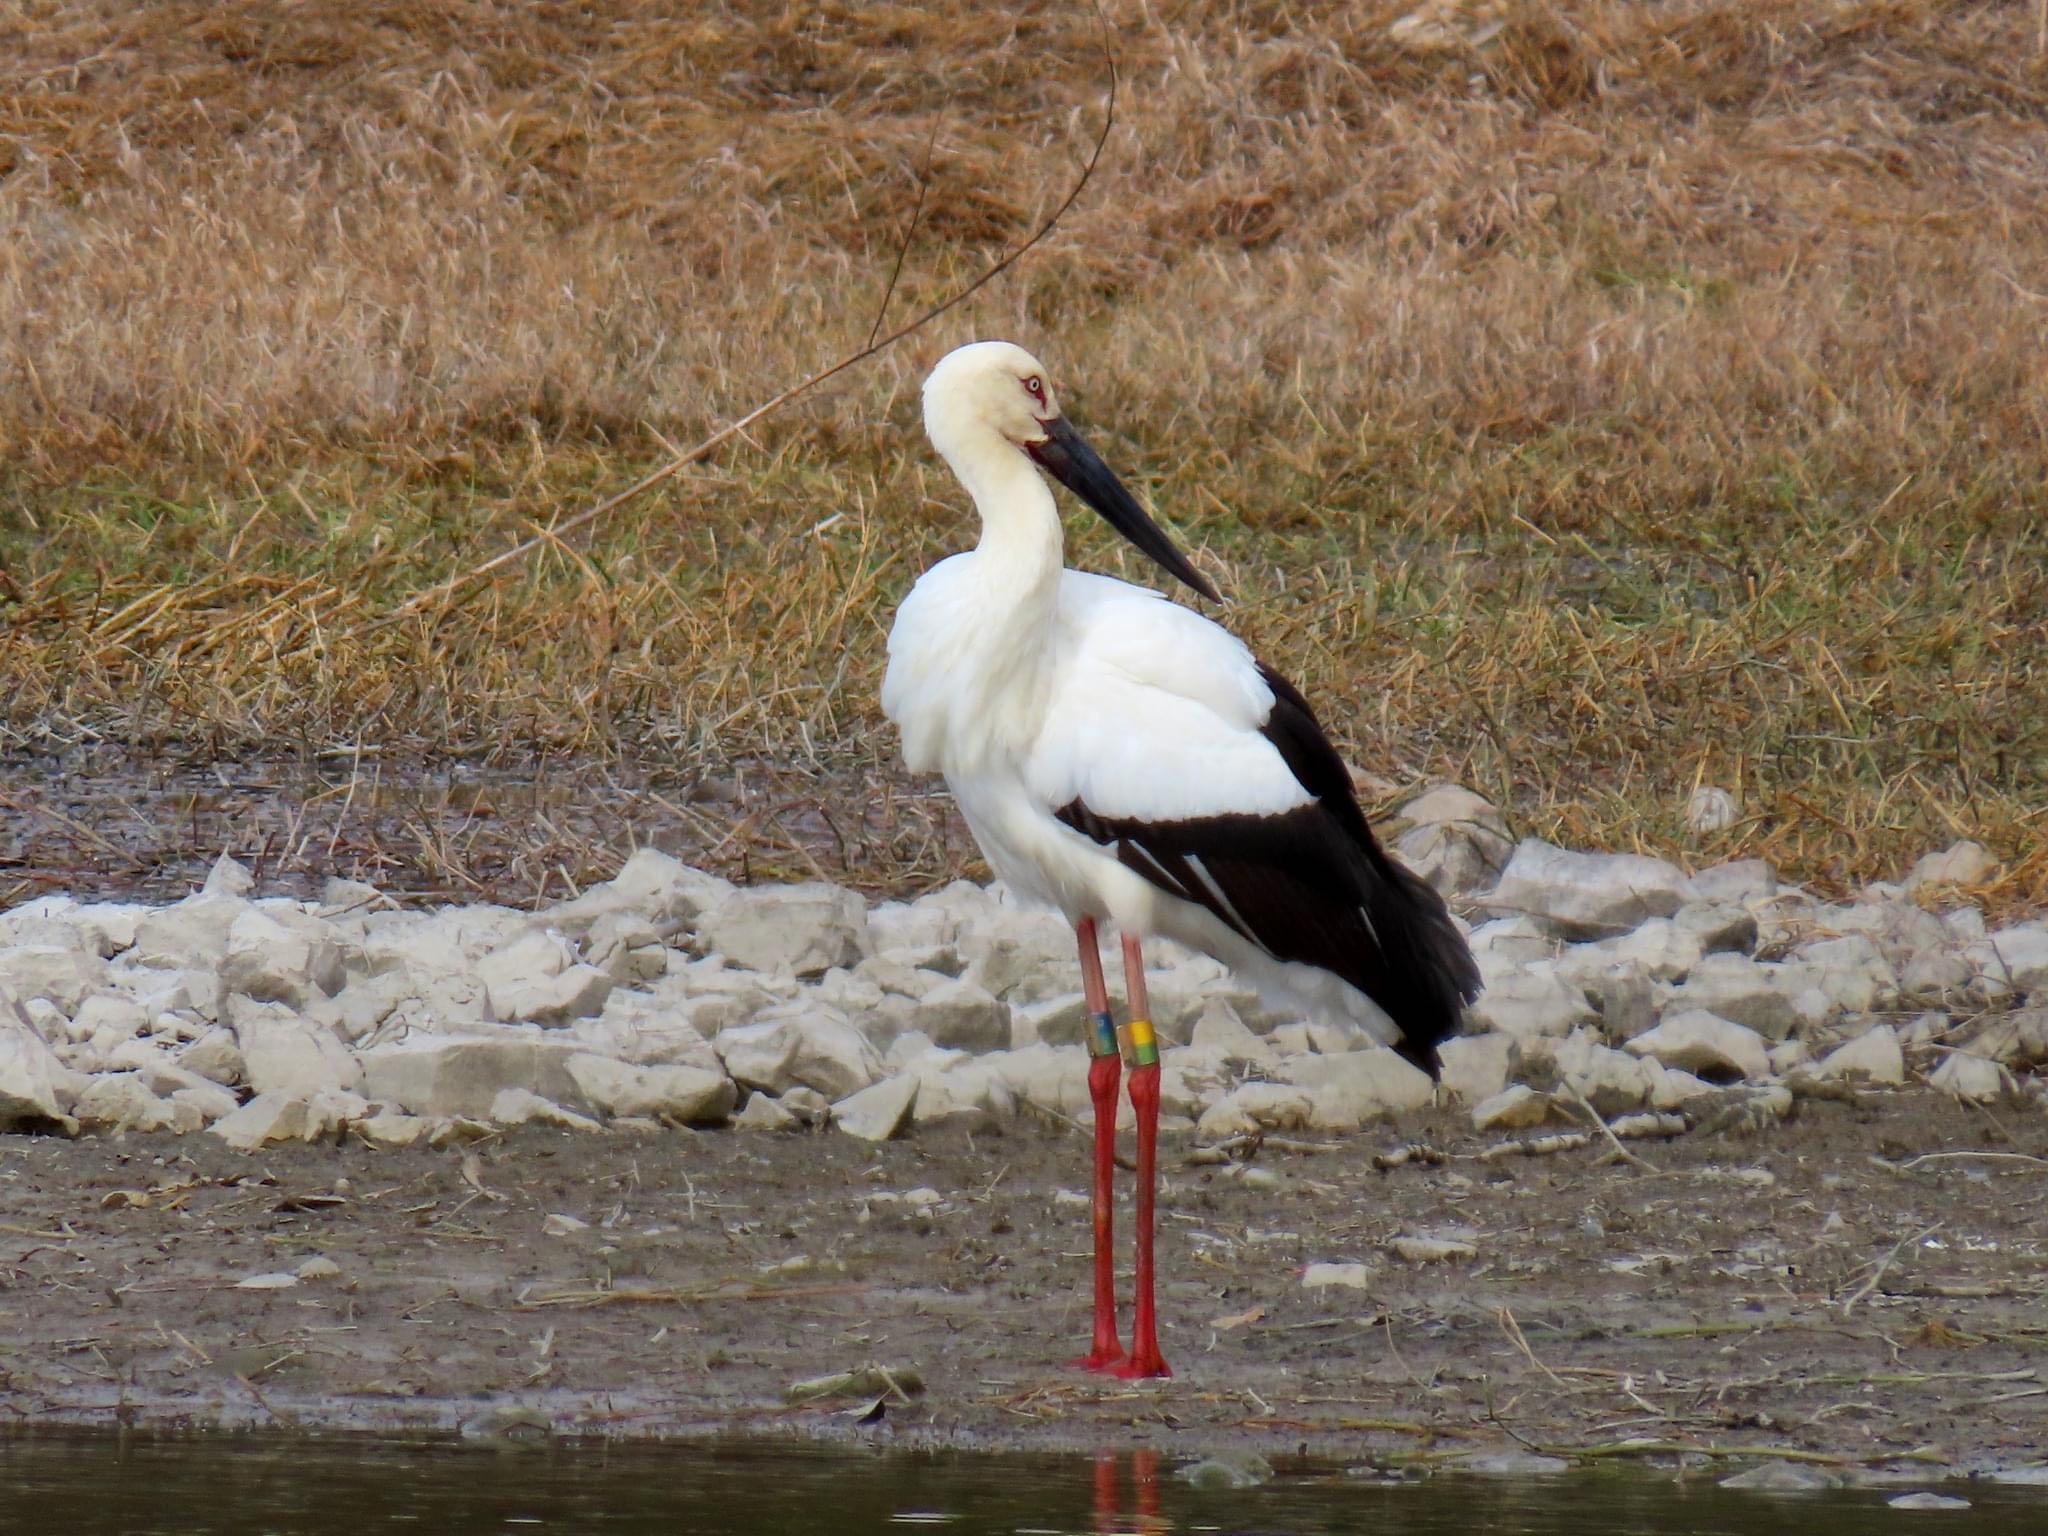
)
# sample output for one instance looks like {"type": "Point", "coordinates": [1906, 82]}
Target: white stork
{"type": "Point", "coordinates": [1126, 760]}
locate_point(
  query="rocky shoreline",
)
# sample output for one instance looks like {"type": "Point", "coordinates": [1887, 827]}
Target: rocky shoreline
{"type": "Point", "coordinates": [1616, 985]}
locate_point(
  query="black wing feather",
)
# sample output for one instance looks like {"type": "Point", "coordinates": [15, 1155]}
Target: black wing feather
{"type": "Point", "coordinates": [1311, 885]}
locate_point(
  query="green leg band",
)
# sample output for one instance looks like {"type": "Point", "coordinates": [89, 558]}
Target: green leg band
{"type": "Point", "coordinates": [1143, 1045]}
{"type": "Point", "coordinates": [1102, 1036]}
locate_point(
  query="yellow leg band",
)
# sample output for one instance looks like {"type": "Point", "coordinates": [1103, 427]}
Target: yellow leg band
{"type": "Point", "coordinates": [1141, 1046]}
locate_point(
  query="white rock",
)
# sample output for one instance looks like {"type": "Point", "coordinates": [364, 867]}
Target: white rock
{"type": "Point", "coordinates": [283, 1054]}
{"type": "Point", "coordinates": [647, 1034]}
{"type": "Point", "coordinates": [462, 1075]}
{"type": "Point", "coordinates": [2011, 960]}
{"type": "Point", "coordinates": [1532, 1000]}
{"type": "Point", "coordinates": [1711, 809]}
{"type": "Point", "coordinates": [1737, 988]}
{"type": "Point", "coordinates": [1475, 1067]}
{"type": "Point", "coordinates": [950, 1084]}
{"type": "Point", "coordinates": [1350, 1090]}
{"type": "Point", "coordinates": [1704, 1044]}
{"type": "Point", "coordinates": [388, 1128]}
{"type": "Point", "coordinates": [1256, 1107]}
{"type": "Point", "coordinates": [1935, 975]}
{"type": "Point", "coordinates": [1611, 1081]}
{"type": "Point", "coordinates": [1973, 1079]}
{"type": "Point", "coordinates": [228, 877]}
{"type": "Point", "coordinates": [1417, 1249]}
{"type": "Point", "coordinates": [1738, 883]}
{"type": "Point", "coordinates": [281, 955]}
{"type": "Point", "coordinates": [1348, 1276]}
{"type": "Point", "coordinates": [679, 1095]}
{"type": "Point", "coordinates": [962, 1015]}
{"type": "Point", "coordinates": [1660, 949]}
{"type": "Point", "coordinates": [1849, 970]}
{"type": "Point", "coordinates": [215, 1056]}
{"type": "Point", "coordinates": [2018, 1040]}
{"type": "Point", "coordinates": [1050, 1076]}
{"type": "Point", "coordinates": [655, 887]}
{"type": "Point", "coordinates": [518, 1106]}
{"type": "Point", "coordinates": [29, 1077]}
{"type": "Point", "coordinates": [1508, 942]}
{"type": "Point", "coordinates": [798, 1044]}
{"type": "Point", "coordinates": [1219, 1029]}
{"type": "Point", "coordinates": [1455, 839]}
{"type": "Point", "coordinates": [537, 979]}
{"type": "Point", "coordinates": [62, 974]}
{"type": "Point", "coordinates": [288, 1117]}
{"type": "Point", "coordinates": [1516, 1108]}
{"type": "Point", "coordinates": [1718, 925]}
{"type": "Point", "coordinates": [1872, 1057]}
{"type": "Point", "coordinates": [209, 1101]}
{"type": "Point", "coordinates": [627, 948]}
{"type": "Point", "coordinates": [763, 1112]}
{"type": "Point", "coordinates": [1589, 895]}
{"type": "Point", "coordinates": [879, 1111]}
{"type": "Point", "coordinates": [118, 1101]}
{"type": "Point", "coordinates": [192, 933]}
{"type": "Point", "coordinates": [1962, 863]}
{"type": "Point", "coordinates": [803, 929]}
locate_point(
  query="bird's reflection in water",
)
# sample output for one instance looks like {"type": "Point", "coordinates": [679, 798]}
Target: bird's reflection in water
{"type": "Point", "coordinates": [1128, 1504]}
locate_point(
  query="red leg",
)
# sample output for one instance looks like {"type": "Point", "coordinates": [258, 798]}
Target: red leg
{"type": "Point", "coordinates": [1145, 1358]}
{"type": "Point", "coordinates": [1104, 1070]}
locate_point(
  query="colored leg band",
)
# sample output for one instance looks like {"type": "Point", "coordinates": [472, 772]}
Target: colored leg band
{"type": "Point", "coordinates": [1102, 1036]}
{"type": "Point", "coordinates": [1141, 1046]}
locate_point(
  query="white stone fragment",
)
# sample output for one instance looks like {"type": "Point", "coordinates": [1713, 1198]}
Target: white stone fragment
{"type": "Point", "coordinates": [1589, 895]}
{"type": "Point", "coordinates": [1454, 839]}
{"type": "Point", "coordinates": [29, 1077]}
{"type": "Point", "coordinates": [1256, 1107]}
{"type": "Point", "coordinates": [281, 955]}
{"type": "Point", "coordinates": [1531, 1000]}
{"type": "Point", "coordinates": [288, 1117]}
{"type": "Point", "coordinates": [1961, 863]}
{"type": "Point", "coordinates": [1419, 1249]}
{"type": "Point", "coordinates": [1356, 1277]}
{"type": "Point", "coordinates": [764, 1112]}
{"type": "Point", "coordinates": [654, 887]}
{"type": "Point", "coordinates": [1737, 988]}
{"type": "Point", "coordinates": [63, 974]}
{"type": "Point", "coordinates": [1705, 1045]}
{"type": "Point", "coordinates": [2011, 960]}
{"type": "Point", "coordinates": [1739, 882]}
{"type": "Point", "coordinates": [520, 1106]}
{"type": "Point", "coordinates": [1871, 1057]}
{"type": "Point", "coordinates": [284, 1054]}
{"type": "Point", "coordinates": [119, 1101]}
{"type": "Point", "coordinates": [1475, 1067]}
{"type": "Point", "coordinates": [461, 1075]}
{"type": "Point", "coordinates": [1851, 972]}
{"type": "Point", "coordinates": [215, 1056]}
{"type": "Point", "coordinates": [802, 929]}
{"type": "Point", "coordinates": [799, 1044]}
{"type": "Point", "coordinates": [1516, 1108]}
{"type": "Point", "coordinates": [679, 1095]}
{"type": "Point", "coordinates": [1357, 1087]}
{"type": "Point", "coordinates": [879, 1111]}
{"type": "Point", "coordinates": [1973, 1079]}
{"type": "Point", "coordinates": [962, 1015]}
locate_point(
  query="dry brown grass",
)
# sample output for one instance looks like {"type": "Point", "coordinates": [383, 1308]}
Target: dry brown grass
{"type": "Point", "coordinates": [1586, 399]}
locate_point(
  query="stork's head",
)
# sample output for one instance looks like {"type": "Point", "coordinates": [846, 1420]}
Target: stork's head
{"type": "Point", "coordinates": [992, 392]}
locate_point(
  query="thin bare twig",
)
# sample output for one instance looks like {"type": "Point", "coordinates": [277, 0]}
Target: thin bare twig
{"type": "Point", "coordinates": [453, 584]}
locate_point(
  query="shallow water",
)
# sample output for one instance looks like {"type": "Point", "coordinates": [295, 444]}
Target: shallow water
{"type": "Point", "coordinates": [273, 1486]}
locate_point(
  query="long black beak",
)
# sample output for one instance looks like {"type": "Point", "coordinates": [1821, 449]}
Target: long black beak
{"type": "Point", "coordinates": [1066, 456]}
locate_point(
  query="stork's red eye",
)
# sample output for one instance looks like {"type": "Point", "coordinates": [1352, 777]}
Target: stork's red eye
{"type": "Point", "coordinates": [1035, 387]}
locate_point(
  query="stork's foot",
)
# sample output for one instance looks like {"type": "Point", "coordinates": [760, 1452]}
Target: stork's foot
{"type": "Point", "coordinates": [1108, 1362]}
{"type": "Point", "coordinates": [1142, 1363]}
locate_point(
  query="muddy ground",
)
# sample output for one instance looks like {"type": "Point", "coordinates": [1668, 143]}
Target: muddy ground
{"type": "Point", "coordinates": [1810, 1288]}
